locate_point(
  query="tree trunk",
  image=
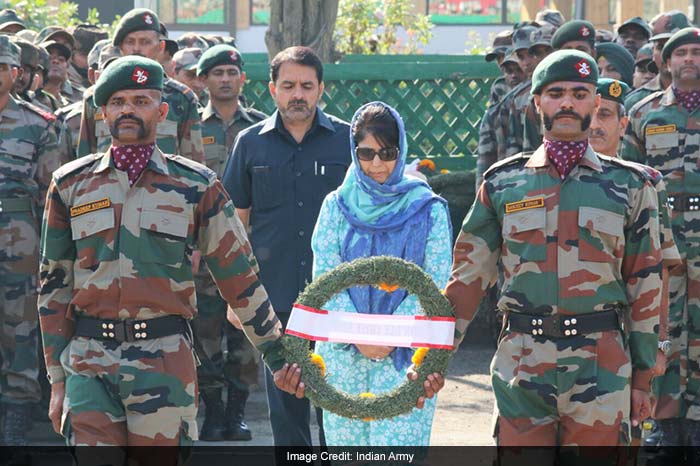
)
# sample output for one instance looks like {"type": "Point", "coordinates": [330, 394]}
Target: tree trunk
{"type": "Point", "coordinates": [302, 22]}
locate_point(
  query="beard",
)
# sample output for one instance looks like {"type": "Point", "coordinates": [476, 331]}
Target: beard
{"type": "Point", "coordinates": [297, 110]}
{"type": "Point", "coordinates": [548, 121]}
{"type": "Point", "coordinates": [114, 128]}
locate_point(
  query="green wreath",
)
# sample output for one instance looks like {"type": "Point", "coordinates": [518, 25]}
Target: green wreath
{"type": "Point", "coordinates": [377, 271]}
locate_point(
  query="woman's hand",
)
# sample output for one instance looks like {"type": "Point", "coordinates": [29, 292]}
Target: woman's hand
{"type": "Point", "coordinates": [375, 352]}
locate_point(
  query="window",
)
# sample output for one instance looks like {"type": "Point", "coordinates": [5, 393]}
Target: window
{"type": "Point", "coordinates": [482, 11]}
{"type": "Point", "coordinates": [260, 12]}
{"type": "Point", "coordinates": [197, 15]}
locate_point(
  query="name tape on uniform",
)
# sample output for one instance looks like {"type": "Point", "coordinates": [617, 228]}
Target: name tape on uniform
{"type": "Point", "coordinates": [90, 207]}
{"type": "Point", "coordinates": [525, 204]}
{"type": "Point", "coordinates": [208, 140]}
{"type": "Point", "coordinates": [665, 129]}
{"type": "Point", "coordinates": [99, 116]}
{"type": "Point", "coordinates": [371, 329]}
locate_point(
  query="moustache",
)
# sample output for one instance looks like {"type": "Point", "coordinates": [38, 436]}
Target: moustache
{"type": "Point", "coordinates": [598, 133]}
{"type": "Point", "coordinates": [133, 118]}
{"type": "Point", "coordinates": [567, 113]}
{"type": "Point", "coordinates": [297, 103]}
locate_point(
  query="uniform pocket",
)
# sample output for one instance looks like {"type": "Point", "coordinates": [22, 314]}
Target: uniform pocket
{"type": "Point", "coordinates": [600, 235]}
{"type": "Point", "coordinates": [525, 235]}
{"type": "Point", "coordinates": [19, 155]}
{"type": "Point", "coordinates": [269, 186]}
{"type": "Point", "coordinates": [93, 234]}
{"type": "Point", "coordinates": [660, 148]}
{"type": "Point", "coordinates": [163, 237]}
{"type": "Point", "coordinates": [613, 369]}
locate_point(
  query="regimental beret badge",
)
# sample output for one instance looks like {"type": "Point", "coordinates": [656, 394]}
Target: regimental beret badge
{"type": "Point", "coordinates": [139, 76]}
{"type": "Point", "coordinates": [148, 19]}
{"type": "Point", "coordinates": [583, 68]}
{"type": "Point", "coordinates": [615, 90]}
{"type": "Point", "coordinates": [585, 32]}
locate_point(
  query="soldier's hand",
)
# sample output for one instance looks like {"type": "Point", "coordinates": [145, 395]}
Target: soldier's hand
{"type": "Point", "coordinates": [434, 383]}
{"type": "Point", "coordinates": [196, 259]}
{"type": "Point", "coordinates": [58, 393]}
{"type": "Point", "coordinates": [641, 406]}
{"type": "Point", "coordinates": [288, 379]}
{"type": "Point", "coordinates": [660, 365]}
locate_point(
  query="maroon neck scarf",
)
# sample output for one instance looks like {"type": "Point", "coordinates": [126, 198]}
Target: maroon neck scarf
{"type": "Point", "coordinates": [565, 154]}
{"type": "Point", "coordinates": [132, 159]}
{"type": "Point", "coordinates": [690, 100]}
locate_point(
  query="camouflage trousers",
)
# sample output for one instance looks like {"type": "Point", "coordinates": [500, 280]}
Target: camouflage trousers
{"type": "Point", "coordinates": [237, 367]}
{"type": "Point", "coordinates": [141, 393]}
{"type": "Point", "coordinates": [568, 391]}
{"type": "Point", "coordinates": [19, 318]}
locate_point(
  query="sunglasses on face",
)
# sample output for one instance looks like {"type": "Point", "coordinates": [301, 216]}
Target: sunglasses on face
{"type": "Point", "coordinates": [386, 154]}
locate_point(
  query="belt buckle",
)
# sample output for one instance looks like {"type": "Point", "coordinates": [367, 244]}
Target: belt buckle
{"type": "Point", "coordinates": [536, 326]}
{"type": "Point", "coordinates": [693, 203]}
{"type": "Point", "coordinates": [569, 326]}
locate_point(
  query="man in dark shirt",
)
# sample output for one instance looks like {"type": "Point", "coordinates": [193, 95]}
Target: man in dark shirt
{"type": "Point", "coordinates": [280, 171]}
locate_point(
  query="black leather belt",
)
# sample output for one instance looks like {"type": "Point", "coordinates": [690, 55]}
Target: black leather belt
{"type": "Point", "coordinates": [684, 202]}
{"type": "Point", "coordinates": [130, 329]}
{"type": "Point", "coordinates": [561, 326]}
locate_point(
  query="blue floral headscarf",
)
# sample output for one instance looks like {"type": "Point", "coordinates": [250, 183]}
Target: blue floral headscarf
{"type": "Point", "coordinates": [389, 219]}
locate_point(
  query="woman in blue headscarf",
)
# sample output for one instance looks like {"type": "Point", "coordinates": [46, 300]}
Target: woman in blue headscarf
{"type": "Point", "coordinates": [379, 211]}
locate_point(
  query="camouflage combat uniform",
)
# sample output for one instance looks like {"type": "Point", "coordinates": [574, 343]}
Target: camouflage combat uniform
{"type": "Point", "coordinates": [522, 123]}
{"type": "Point", "coordinates": [114, 252]}
{"type": "Point", "coordinates": [646, 90]}
{"type": "Point", "coordinates": [240, 368]}
{"type": "Point", "coordinates": [28, 156]}
{"type": "Point", "coordinates": [587, 245]}
{"type": "Point", "coordinates": [180, 133]}
{"type": "Point", "coordinates": [499, 89]}
{"type": "Point", "coordinates": [663, 135]}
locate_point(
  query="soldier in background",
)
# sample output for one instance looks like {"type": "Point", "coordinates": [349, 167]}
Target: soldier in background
{"type": "Point", "coordinates": [10, 22]}
{"type": "Point", "coordinates": [71, 91]}
{"type": "Point", "coordinates": [633, 34]}
{"type": "Point", "coordinates": [85, 36]}
{"type": "Point", "coordinates": [57, 73]}
{"type": "Point", "coordinates": [221, 70]}
{"type": "Point", "coordinates": [615, 62]}
{"type": "Point", "coordinates": [28, 156]}
{"type": "Point", "coordinates": [642, 71]}
{"type": "Point", "coordinates": [501, 43]}
{"type": "Point", "coordinates": [138, 33]}
{"type": "Point", "coordinates": [165, 57]}
{"type": "Point", "coordinates": [185, 68]}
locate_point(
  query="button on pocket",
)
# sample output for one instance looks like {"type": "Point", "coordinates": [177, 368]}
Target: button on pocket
{"type": "Point", "coordinates": [94, 235]}
{"type": "Point", "coordinates": [163, 237]}
{"type": "Point", "coordinates": [525, 235]}
{"type": "Point", "coordinates": [600, 233]}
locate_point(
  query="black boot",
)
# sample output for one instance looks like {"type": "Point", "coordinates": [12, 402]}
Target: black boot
{"type": "Point", "coordinates": [237, 429]}
{"type": "Point", "coordinates": [670, 451]}
{"type": "Point", "coordinates": [213, 429]}
{"type": "Point", "coordinates": [15, 424]}
{"type": "Point", "coordinates": [692, 450]}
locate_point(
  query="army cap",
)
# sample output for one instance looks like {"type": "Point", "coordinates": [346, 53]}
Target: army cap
{"type": "Point", "coordinates": [574, 31]}
{"type": "Point", "coordinates": [192, 40]}
{"type": "Point", "coordinates": [9, 17]}
{"type": "Point", "coordinates": [553, 17]}
{"type": "Point", "coordinates": [131, 72]}
{"type": "Point", "coordinates": [522, 37]}
{"type": "Point", "coordinates": [29, 53]}
{"type": "Point", "coordinates": [666, 24]}
{"type": "Point", "coordinates": [55, 33]}
{"type": "Point", "coordinates": [619, 57]}
{"type": "Point", "coordinates": [219, 55]}
{"type": "Point", "coordinates": [93, 58]}
{"type": "Point", "coordinates": [27, 34]}
{"type": "Point", "coordinates": [138, 19]}
{"type": "Point", "coordinates": [501, 42]}
{"type": "Point", "coordinates": [638, 23]}
{"type": "Point", "coordinates": [510, 57]}
{"type": "Point", "coordinates": [603, 35]}
{"type": "Point", "coordinates": [683, 37]}
{"type": "Point", "coordinates": [612, 89]}
{"type": "Point", "coordinates": [564, 65]}
{"type": "Point", "coordinates": [9, 52]}
{"type": "Point", "coordinates": [50, 45]}
{"type": "Point", "coordinates": [170, 45]}
{"type": "Point", "coordinates": [542, 36]}
{"type": "Point", "coordinates": [108, 54]}
{"type": "Point", "coordinates": [187, 59]}
{"type": "Point", "coordinates": [86, 36]}
{"type": "Point", "coordinates": [644, 54]}
{"type": "Point", "coordinates": [44, 57]}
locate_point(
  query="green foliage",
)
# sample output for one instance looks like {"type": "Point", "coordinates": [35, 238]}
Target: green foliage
{"type": "Point", "coordinates": [370, 27]}
{"type": "Point", "coordinates": [37, 14]}
{"type": "Point", "coordinates": [475, 44]}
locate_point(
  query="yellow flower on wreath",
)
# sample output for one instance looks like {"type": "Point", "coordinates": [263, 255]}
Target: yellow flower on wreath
{"type": "Point", "coordinates": [418, 356]}
{"type": "Point", "coordinates": [368, 395]}
{"type": "Point", "coordinates": [387, 287]}
{"type": "Point", "coordinates": [427, 163]}
{"type": "Point", "coordinates": [317, 359]}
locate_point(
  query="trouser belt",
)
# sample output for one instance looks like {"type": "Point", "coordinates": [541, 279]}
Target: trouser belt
{"type": "Point", "coordinates": [684, 202]}
{"type": "Point", "coordinates": [131, 329]}
{"type": "Point", "coordinates": [19, 204]}
{"type": "Point", "coordinates": [561, 326]}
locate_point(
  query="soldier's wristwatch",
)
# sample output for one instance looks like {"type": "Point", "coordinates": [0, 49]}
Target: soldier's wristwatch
{"type": "Point", "coordinates": [665, 346]}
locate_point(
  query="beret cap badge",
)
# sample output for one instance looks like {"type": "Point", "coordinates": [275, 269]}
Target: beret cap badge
{"type": "Point", "coordinates": [585, 32]}
{"type": "Point", "coordinates": [140, 76]}
{"type": "Point", "coordinates": [148, 19]}
{"type": "Point", "coordinates": [615, 90]}
{"type": "Point", "coordinates": [583, 68]}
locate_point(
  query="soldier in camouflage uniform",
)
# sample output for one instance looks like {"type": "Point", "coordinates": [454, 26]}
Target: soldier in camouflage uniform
{"type": "Point", "coordinates": [28, 155]}
{"type": "Point", "coordinates": [181, 132]}
{"type": "Point", "coordinates": [85, 36]}
{"type": "Point", "coordinates": [663, 134]}
{"type": "Point", "coordinates": [663, 27]}
{"type": "Point", "coordinates": [499, 50]}
{"type": "Point", "coordinates": [577, 234]}
{"type": "Point", "coordinates": [642, 73]}
{"type": "Point", "coordinates": [117, 288]}
{"type": "Point", "coordinates": [185, 65]}
{"type": "Point", "coordinates": [220, 69]}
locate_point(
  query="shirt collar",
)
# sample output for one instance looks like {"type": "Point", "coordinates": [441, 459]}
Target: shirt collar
{"type": "Point", "coordinates": [156, 163]}
{"type": "Point", "coordinates": [539, 159]}
{"type": "Point", "coordinates": [209, 111]}
{"type": "Point", "coordinates": [668, 98]}
{"type": "Point", "coordinates": [320, 119]}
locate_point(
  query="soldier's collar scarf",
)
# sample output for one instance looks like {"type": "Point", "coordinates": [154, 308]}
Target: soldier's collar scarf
{"type": "Point", "coordinates": [390, 219]}
{"type": "Point", "coordinates": [565, 155]}
{"type": "Point", "coordinates": [690, 100]}
{"type": "Point", "coordinates": [132, 159]}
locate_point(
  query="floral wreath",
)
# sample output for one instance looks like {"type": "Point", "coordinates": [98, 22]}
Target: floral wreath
{"type": "Point", "coordinates": [388, 274]}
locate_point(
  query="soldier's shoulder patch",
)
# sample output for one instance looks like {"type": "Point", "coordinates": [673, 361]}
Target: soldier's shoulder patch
{"type": "Point", "coordinates": [75, 166]}
{"type": "Point", "coordinates": [636, 168]}
{"type": "Point", "coordinates": [507, 162]}
{"type": "Point", "coordinates": [46, 115]}
{"type": "Point", "coordinates": [196, 167]}
{"type": "Point", "coordinates": [175, 86]}
{"type": "Point", "coordinates": [645, 101]}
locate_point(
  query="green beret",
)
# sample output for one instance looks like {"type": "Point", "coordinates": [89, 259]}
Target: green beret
{"type": "Point", "coordinates": [219, 55]}
{"type": "Point", "coordinates": [564, 65]}
{"type": "Point", "coordinates": [138, 19]}
{"type": "Point", "coordinates": [619, 57]}
{"type": "Point", "coordinates": [574, 31]}
{"type": "Point", "coordinates": [612, 89]}
{"type": "Point", "coordinates": [683, 37]}
{"type": "Point", "coordinates": [131, 72]}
